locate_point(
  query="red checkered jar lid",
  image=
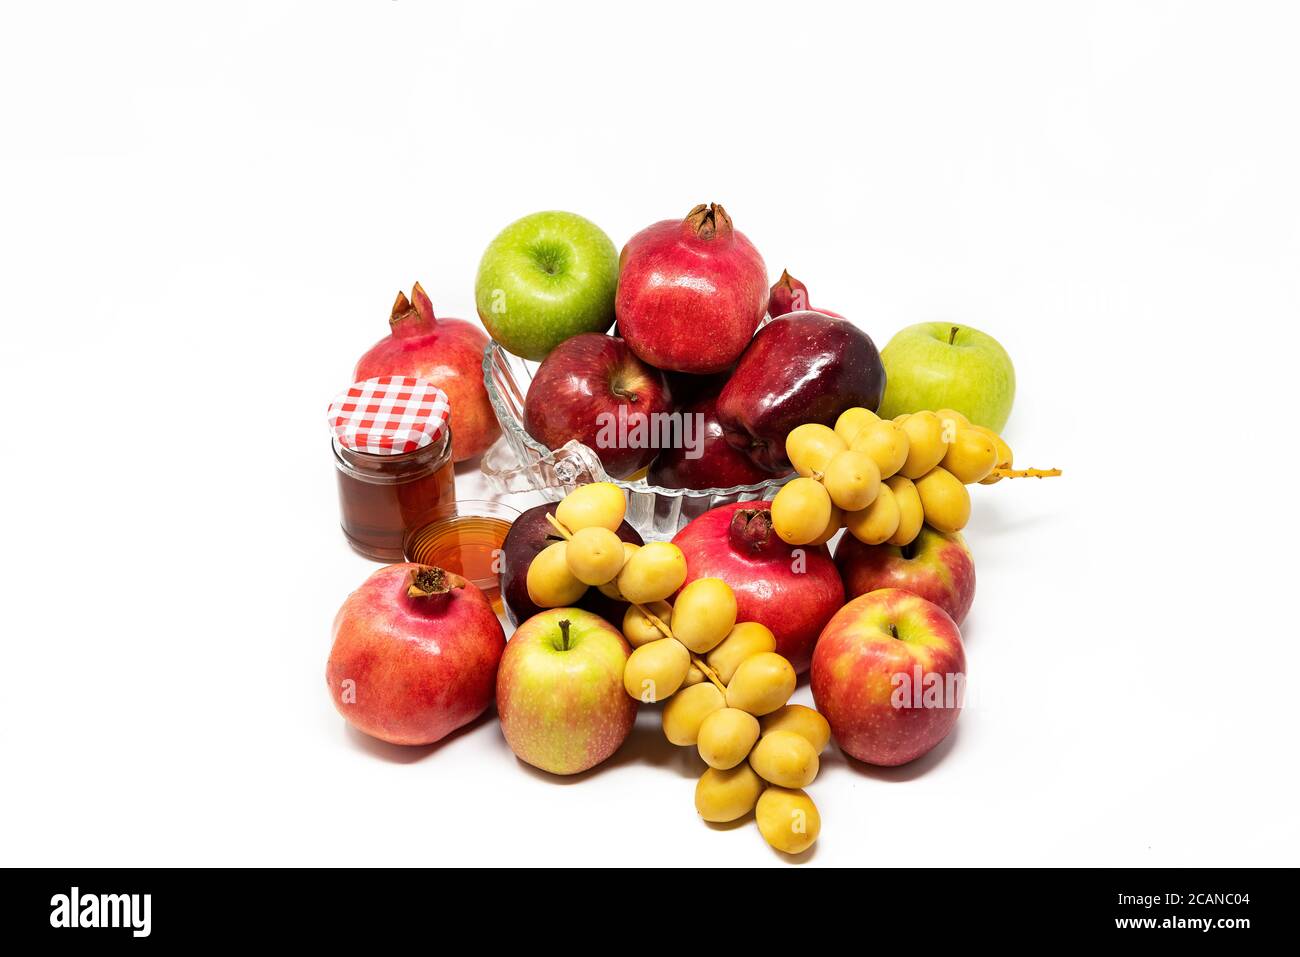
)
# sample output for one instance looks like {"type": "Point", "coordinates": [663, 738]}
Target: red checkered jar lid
{"type": "Point", "coordinates": [389, 415]}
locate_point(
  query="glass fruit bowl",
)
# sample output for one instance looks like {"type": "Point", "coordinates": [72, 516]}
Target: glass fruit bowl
{"type": "Point", "coordinates": [519, 463]}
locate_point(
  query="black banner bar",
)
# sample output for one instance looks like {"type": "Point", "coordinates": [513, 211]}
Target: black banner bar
{"type": "Point", "coordinates": [136, 907]}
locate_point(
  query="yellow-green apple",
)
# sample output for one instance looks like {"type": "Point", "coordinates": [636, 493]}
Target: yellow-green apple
{"type": "Point", "coordinates": [939, 365]}
{"type": "Point", "coordinates": [546, 277]}
{"type": "Point", "coordinates": [415, 654]}
{"type": "Point", "coordinates": [560, 691]}
{"type": "Point", "coordinates": [935, 565]}
{"type": "Point", "coordinates": [594, 389]}
{"type": "Point", "coordinates": [888, 674]}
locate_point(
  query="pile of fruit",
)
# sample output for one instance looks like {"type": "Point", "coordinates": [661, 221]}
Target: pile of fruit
{"type": "Point", "coordinates": [876, 451]}
{"type": "Point", "coordinates": [719, 676]}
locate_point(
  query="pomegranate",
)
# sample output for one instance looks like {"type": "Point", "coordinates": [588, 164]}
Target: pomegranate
{"type": "Point", "coordinates": [790, 295]}
{"type": "Point", "coordinates": [447, 352]}
{"type": "Point", "coordinates": [690, 292]}
{"type": "Point", "coordinates": [793, 590]}
{"type": "Point", "coordinates": [415, 654]}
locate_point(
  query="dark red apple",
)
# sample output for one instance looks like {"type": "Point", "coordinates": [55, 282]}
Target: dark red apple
{"type": "Point", "coordinates": [528, 535]}
{"type": "Point", "coordinates": [690, 292]}
{"type": "Point", "coordinates": [803, 367]}
{"type": "Point", "coordinates": [935, 565]}
{"type": "Point", "coordinates": [415, 654]}
{"type": "Point", "coordinates": [793, 590]}
{"type": "Point", "coordinates": [707, 461]}
{"type": "Point", "coordinates": [594, 389]}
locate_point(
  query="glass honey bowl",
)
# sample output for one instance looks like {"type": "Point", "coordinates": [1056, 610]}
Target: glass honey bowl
{"type": "Point", "coordinates": [465, 538]}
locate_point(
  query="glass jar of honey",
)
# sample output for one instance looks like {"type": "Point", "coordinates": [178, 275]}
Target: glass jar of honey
{"type": "Point", "coordinates": [392, 456]}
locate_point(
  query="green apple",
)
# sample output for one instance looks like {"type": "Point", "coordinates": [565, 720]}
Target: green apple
{"type": "Point", "coordinates": [560, 691]}
{"type": "Point", "coordinates": [938, 365]}
{"type": "Point", "coordinates": [546, 277]}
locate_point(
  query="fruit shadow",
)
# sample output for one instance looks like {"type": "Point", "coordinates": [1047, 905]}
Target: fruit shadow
{"type": "Point", "coordinates": [748, 821]}
{"type": "Point", "coordinates": [408, 753]}
{"type": "Point", "coordinates": [906, 772]}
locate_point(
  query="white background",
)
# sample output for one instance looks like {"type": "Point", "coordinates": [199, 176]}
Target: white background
{"type": "Point", "coordinates": [207, 212]}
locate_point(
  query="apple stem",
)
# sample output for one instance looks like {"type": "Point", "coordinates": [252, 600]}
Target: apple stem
{"type": "Point", "coordinates": [952, 336]}
{"type": "Point", "coordinates": [559, 526]}
{"type": "Point", "coordinates": [564, 634]}
{"type": "Point", "coordinates": [1026, 473]}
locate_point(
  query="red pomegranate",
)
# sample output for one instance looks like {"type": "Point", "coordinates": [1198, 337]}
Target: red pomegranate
{"type": "Point", "coordinates": [793, 590]}
{"type": "Point", "coordinates": [690, 292]}
{"type": "Point", "coordinates": [415, 654]}
{"type": "Point", "coordinates": [448, 353]}
{"type": "Point", "coordinates": [790, 295]}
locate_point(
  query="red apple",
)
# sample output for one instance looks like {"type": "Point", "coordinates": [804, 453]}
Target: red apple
{"type": "Point", "coordinates": [415, 654]}
{"type": "Point", "coordinates": [937, 566]}
{"type": "Point", "coordinates": [888, 674]}
{"type": "Point", "coordinates": [594, 389]}
{"type": "Point", "coordinates": [793, 590]}
{"type": "Point", "coordinates": [446, 352]}
{"type": "Point", "coordinates": [560, 691]}
{"type": "Point", "coordinates": [707, 461]}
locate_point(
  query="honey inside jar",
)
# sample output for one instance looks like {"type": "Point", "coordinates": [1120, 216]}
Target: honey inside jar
{"type": "Point", "coordinates": [392, 456]}
{"type": "Point", "coordinates": [383, 497]}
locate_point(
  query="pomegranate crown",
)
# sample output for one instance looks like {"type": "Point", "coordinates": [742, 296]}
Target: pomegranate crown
{"type": "Point", "coordinates": [751, 530]}
{"type": "Point", "coordinates": [412, 316]}
{"type": "Point", "coordinates": [709, 221]}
